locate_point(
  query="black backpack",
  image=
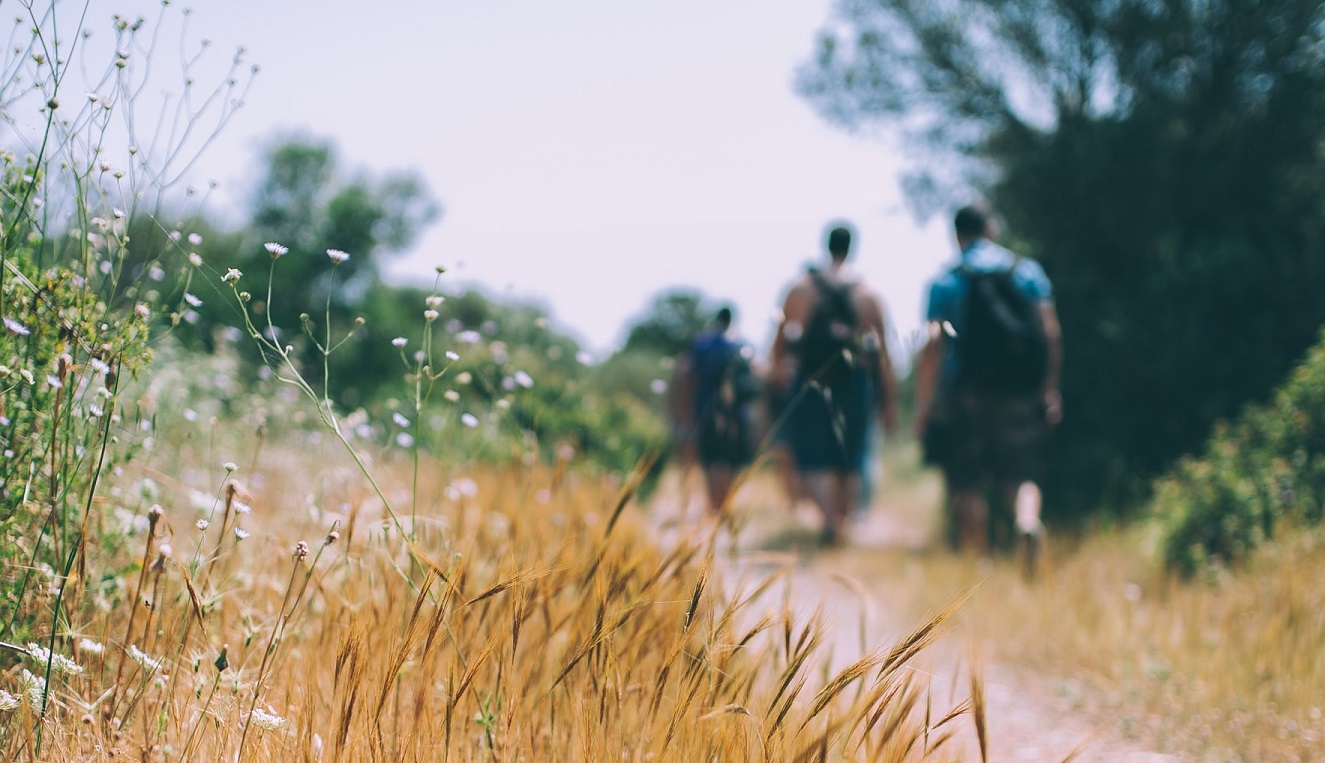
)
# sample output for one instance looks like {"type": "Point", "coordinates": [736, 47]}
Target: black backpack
{"type": "Point", "coordinates": [725, 423]}
{"type": "Point", "coordinates": [1003, 347]}
{"type": "Point", "coordinates": [827, 348]}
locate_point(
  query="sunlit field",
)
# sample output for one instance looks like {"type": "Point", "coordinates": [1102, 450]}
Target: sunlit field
{"type": "Point", "coordinates": [1227, 667]}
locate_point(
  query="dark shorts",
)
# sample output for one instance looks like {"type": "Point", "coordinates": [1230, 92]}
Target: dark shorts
{"type": "Point", "coordinates": [829, 427]}
{"type": "Point", "coordinates": [726, 440]}
{"type": "Point", "coordinates": [992, 438]}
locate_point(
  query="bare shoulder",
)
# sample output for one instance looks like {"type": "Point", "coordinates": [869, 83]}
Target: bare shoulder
{"type": "Point", "coordinates": [867, 301]}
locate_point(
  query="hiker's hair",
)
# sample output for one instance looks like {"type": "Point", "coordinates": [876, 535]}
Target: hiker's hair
{"type": "Point", "coordinates": [971, 222]}
{"type": "Point", "coordinates": [839, 241]}
{"type": "Point", "coordinates": [724, 316]}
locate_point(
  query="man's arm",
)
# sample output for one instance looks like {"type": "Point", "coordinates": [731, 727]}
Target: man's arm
{"type": "Point", "coordinates": [885, 380]}
{"type": "Point", "coordinates": [927, 375]}
{"type": "Point", "coordinates": [793, 321]}
{"type": "Point", "coordinates": [1053, 334]}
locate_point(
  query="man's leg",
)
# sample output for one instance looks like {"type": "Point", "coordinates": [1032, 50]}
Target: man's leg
{"type": "Point", "coordinates": [822, 487]}
{"type": "Point", "coordinates": [1026, 501]}
{"type": "Point", "coordinates": [972, 512]}
{"type": "Point", "coordinates": [719, 478]}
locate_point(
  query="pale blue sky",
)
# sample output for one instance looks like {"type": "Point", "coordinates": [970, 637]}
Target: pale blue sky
{"type": "Point", "coordinates": [588, 153]}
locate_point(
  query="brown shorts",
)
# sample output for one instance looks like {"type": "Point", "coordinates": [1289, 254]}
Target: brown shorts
{"type": "Point", "coordinates": [992, 438]}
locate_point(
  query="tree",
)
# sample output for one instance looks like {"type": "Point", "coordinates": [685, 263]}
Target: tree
{"type": "Point", "coordinates": [669, 323]}
{"type": "Point", "coordinates": [1162, 159]}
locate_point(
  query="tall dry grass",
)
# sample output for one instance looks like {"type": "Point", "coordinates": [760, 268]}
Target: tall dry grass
{"type": "Point", "coordinates": [535, 615]}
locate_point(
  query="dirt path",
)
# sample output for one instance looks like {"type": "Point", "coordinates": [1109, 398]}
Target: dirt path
{"type": "Point", "coordinates": [867, 594]}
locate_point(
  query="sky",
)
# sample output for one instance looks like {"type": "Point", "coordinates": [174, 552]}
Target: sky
{"type": "Point", "coordinates": [587, 154]}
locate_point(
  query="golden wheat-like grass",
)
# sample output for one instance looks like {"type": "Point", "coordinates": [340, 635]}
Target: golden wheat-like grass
{"type": "Point", "coordinates": [534, 617]}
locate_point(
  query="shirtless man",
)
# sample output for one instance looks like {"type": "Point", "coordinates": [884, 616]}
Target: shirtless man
{"type": "Point", "coordinates": [830, 356]}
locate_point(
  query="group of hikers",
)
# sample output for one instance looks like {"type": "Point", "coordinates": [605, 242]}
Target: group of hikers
{"type": "Point", "coordinates": [986, 387]}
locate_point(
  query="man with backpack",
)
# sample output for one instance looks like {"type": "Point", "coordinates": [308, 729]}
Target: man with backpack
{"type": "Point", "coordinates": [830, 359]}
{"type": "Point", "coordinates": [717, 388]}
{"type": "Point", "coordinates": [987, 382]}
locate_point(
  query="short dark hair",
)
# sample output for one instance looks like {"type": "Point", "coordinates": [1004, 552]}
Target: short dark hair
{"type": "Point", "coordinates": [724, 316]}
{"type": "Point", "coordinates": [839, 240]}
{"type": "Point", "coordinates": [971, 221]}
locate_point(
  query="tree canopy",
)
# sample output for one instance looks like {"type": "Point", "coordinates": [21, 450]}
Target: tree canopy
{"type": "Point", "coordinates": [1162, 158]}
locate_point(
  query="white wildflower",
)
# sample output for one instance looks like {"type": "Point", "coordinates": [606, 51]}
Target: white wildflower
{"type": "Point", "coordinates": [54, 381]}
{"type": "Point", "coordinates": [59, 663]}
{"type": "Point", "coordinates": [142, 311]}
{"type": "Point", "coordinates": [400, 420]}
{"type": "Point", "coordinates": [142, 658]}
{"type": "Point", "coordinates": [451, 395]}
{"type": "Point", "coordinates": [434, 301]}
{"type": "Point", "coordinates": [232, 276]}
{"type": "Point", "coordinates": [241, 533]}
{"type": "Point", "coordinates": [98, 365]}
{"type": "Point", "coordinates": [404, 440]}
{"type": "Point", "coordinates": [275, 249]}
{"type": "Point", "coordinates": [337, 256]}
{"type": "Point", "coordinates": [33, 687]}
{"type": "Point", "coordinates": [16, 328]}
{"type": "Point", "coordinates": [192, 300]}
{"type": "Point", "coordinates": [265, 720]}
{"type": "Point", "coordinates": [452, 355]}
{"type": "Point", "coordinates": [95, 410]}
{"type": "Point", "coordinates": [523, 379]}
{"type": "Point", "coordinates": [469, 420]}
{"type": "Point", "coordinates": [430, 315]}
{"type": "Point", "coordinates": [469, 337]}
{"type": "Point", "coordinates": [9, 702]}
{"type": "Point", "coordinates": [240, 507]}
{"type": "Point", "coordinates": [89, 646]}
{"type": "Point", "coordinates": [399, 342]}
{"type": "Point", "coordinates": [195, 239]}
{"type": "Point", "coordinates": [202, 524]}
{"type": "Point", "coordinates": [195, 259]}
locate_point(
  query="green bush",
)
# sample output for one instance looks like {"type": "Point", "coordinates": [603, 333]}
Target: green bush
{"type": "Point", "coordinates": [1265, 469]}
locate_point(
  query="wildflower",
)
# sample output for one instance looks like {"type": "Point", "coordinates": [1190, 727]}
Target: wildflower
{"type": "Point", "coordinates": [430, 315]}
{"type": "Point", "coordinates": [195, 239]}
{"type": "Point", "coordinates": [142, 658]}
{"type": "Point", "coordinates": [59, 663]}
{"type": "Point", "coordinates": [202, 524]}
{"type": "Point", "coordinates": [54, 381]}
{"type": "Point", "coordinates": [9, 702]}
{"type": "Point", "coordinates": [27, 376]}
{"type": "Point", "coordinates": [404, 440]}
{"type": "Point", "coordinates": [98, 365]}
{"type": "Point", "coordinates": [265, 720]}
{"type": "Point", "coordinates": [523, 379]}
{"type": "Point", "coordinates": [195, 259]}
{"type": "Point", "coordinates": [451, 395]}
{"type": "Point", "coordinates": [192, 300]}
{"type": "Point", "coordinates": [434, 300]}
{"type": "Point", "coordinates": [468, 337]}
{"type": "Point", "coordinates": [232, 276]}
{"type": "Point", "coordinates": [275, 249]}
{"type": "Point", "coordinates": [95, 410]}
{"type": "Point", "coordinates": [142, 311]}
{"type": "Point", "coordinates": [452, 355]}
{"type": "Point", "coordinates": [399, 342]}
{"type": "Point", "coordinates": [301, 550]}
{"type": "Point", "coordinates": [16, 328]}
{"type": "Point", "coordinates": [91, 647]}
{"type": "Point", "coordinates": [464, 377]}
{"type": "Point", "coordinates": [241, 533]}
{"type": "Point", "coordinates": [337, 257]}
{"type": "Point", "coordinates": [469, 420]}
{"type": "Point", "coordinates": [240, 507]}
{"type": "Point", "coordinates": [332, 537]}
{"type": "Point", "coordinates": [34, 687]}
{"type": "Point", "coordinates": [231, 466]}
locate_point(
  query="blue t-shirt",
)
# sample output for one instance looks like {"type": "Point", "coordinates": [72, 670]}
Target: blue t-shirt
{"type": "Point", "coordinates": [709, 352]}
{"type": "Point", "coordinates": [947, 293]}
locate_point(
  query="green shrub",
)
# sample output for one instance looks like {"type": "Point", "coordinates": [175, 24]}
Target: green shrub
{"type": "Point", "coordinates": [1255, 474]}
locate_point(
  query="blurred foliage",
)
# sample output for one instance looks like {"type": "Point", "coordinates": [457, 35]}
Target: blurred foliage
{"type": "Point", "coordinates": [1162, 160]}
{"type": "Point", "coordinates": [1263, 470]}
{"type": "Point", "coordinates": [669, 323]}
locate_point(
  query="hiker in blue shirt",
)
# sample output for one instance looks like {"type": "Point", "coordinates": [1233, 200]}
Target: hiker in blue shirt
{"type": "Point", "coordinates": [830, 359]}
{"type": "Point", "coordinates": [987, 389]}
{"type": "Point", "coordinates": [715, 403]}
